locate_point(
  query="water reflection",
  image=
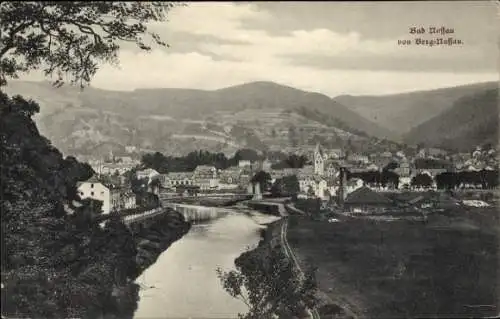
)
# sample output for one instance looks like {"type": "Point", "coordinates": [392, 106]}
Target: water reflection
{"type": "Point", "coordinates": [183, 280]}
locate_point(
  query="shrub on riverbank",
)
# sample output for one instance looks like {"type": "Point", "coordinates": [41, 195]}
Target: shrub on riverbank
{"type": "Point", "coordinates": [268, 282]}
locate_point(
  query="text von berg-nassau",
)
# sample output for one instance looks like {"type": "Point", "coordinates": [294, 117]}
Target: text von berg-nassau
{"type": "Point", "coordinates": [438, 41]}
{"type": "Point", "coordinates": [432, 30]}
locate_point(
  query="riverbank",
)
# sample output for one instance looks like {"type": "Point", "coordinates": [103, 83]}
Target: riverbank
{"type": "Point", "coordinates": [271, 276]}
{"type": "Point", "coordinates": [142, 244]}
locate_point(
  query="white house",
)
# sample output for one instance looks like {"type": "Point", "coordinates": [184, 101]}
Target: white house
{"type": "Point", "coordinates": [315, 184]}
{"type": "Point", "coordinates": [128, 200]}
{"type": "Point", "coordinates": [206, 177]}
{"type": "Point", "coordinates": [95, 189]}
{"type": "Point", "coordinates": [149, 173]}
{"type": "Point", "coordinates": [174, 179]}
{"type": "Point", "coordinates": [244, 163]}
{"type": "Point", "coordinates": [349, 187]}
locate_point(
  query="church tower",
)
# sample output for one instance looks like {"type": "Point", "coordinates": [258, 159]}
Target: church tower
{"type": "Point", "coordinates": [319, 161]}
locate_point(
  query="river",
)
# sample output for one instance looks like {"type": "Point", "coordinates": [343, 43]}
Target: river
{"type": "Point", "coordinates": [183, 282]}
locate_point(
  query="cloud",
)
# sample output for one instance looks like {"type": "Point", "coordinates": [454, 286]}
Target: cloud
{"type": "Point", "coordinates": [213, 47]}
{"type": "Point", "coordinates": [196, 70]}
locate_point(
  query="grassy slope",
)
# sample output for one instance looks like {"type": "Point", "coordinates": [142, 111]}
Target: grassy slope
{"type": "Point", "coordinates": [401, 269]}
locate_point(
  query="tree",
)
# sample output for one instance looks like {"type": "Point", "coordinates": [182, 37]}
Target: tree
{"type": "Point", "coordinates": [72, 37]}
{"type": "Point", "coordinates": [290, 184]}
{"type": "Point", "coordinates": [264, 180]}
{"type": "Point", "coordinates": [267, 282]}
{"type": "Point", "coordinates": [423, 180]}
{"type": "Point", "coordinates": [54, 264]}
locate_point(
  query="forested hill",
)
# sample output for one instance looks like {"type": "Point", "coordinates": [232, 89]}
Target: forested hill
{"type": "Point", "coordinates": [176, 121]}
{"type": "Point", "coordinates": [403, 111]}
{"type": "Point", "coordinates": [472, 120]}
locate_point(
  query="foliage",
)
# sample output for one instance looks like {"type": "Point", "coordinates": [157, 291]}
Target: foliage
{"type": "Point", "coordinates": [423, 180]}
{"type": "Point", "coordinates": [263, 178]}
{"type": "Point", "coordinates": [54, 265]}
{"type": "Point", "coordinates": [292, 161]}
{"type": "Point", "coordinates": [165, 164]}
{"type": "Point", "coordinates": [72, 37]}
{"type": "Point", "coordinates": [487, 179]}
{"type": "Point", "coordinates": [267, 282]}
{"type": "Point", "coordinates": [287, 185]}
{"type": "Point", "coordinates": [384, 178]}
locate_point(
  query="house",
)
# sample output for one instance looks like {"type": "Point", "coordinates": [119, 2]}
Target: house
{"type": "Point", "coordinates": [404, 168]}
{"type": "Point", "coordinates": [331, 168]}
{"type": "Point", "coordinates": [280, 173]}
{"type": "Point", "coordinates": [336, 153]}
{"type": "Point", "coordinates": [404, 181]}
{"type": "Point", "coordinates": [106, 193]}
{"type": "Point", "coordinates": [244, 163]}
{"type": "Point", "coordinates": [311, 184]}
{"type": "Point", "coordinates": [147, 173]}
{"type": "Point", "coordinates": [174, 179]}
{"type": "Point", "coordinates": [358, 158]}
{"type": "Point", "coordinates": [130, 149]}
{"type": "Point", "coordinates": [205, 176]}
{"type": "Point", "coordinates": [365, 201]}
{"type": "Point", "coordinates": [400, 154]}
{"type": "Point", "coordinates": [266, 165]}
{"type": "Point", "coordinates": [127, 200]}
{"type": "Point", "coordinates": [432, 151]}
{"type": "Point", "coordinates": [229, 178]}
{"type": "Point", "coordinates": [372, 167]}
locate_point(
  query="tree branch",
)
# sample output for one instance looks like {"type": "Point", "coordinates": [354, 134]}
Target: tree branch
{"type": "Point", "coordinates": [10, 42]}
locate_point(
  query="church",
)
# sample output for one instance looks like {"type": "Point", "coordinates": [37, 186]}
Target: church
{"type": "Point", "coordinates": [326, 163]}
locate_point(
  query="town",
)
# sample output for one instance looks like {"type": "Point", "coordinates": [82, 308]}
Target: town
{"type": "Point", "coordinates": [316, 173]}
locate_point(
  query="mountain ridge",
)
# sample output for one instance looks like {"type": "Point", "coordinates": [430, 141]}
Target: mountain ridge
{"type": "Point", "coordinates": [403, 111]}
{"type": "Point", "coordinates": [472, 120]}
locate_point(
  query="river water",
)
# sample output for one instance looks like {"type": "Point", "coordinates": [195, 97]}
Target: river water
{"type": "Point", "coordinates": [183, 282]}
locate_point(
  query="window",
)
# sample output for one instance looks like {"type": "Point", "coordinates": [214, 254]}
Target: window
{"type": "Point", "coordinates": [91, 185]}
{"type": "Point", "coordinates": [81, 193]}
{"type": "Point", "coordinates": [91, 193]}
{"type": "Point", "coordinates": [102, 193]}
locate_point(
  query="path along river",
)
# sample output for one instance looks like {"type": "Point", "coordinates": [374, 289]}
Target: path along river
{"type": "Point", "coordinates": [183, 282]}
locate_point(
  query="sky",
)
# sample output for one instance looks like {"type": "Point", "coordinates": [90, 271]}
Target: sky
{"type": "Point", "coordinates": [333, 48]}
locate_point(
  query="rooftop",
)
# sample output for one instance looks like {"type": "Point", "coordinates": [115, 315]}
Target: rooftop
{"type": "Point", "coordinates": [366, 196]}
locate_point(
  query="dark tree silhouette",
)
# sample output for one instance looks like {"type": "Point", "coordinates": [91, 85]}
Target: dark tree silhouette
{"type": "Point", "coordinates": [422, 180]}
{"type": "Point", "coordinates": [263, 178]}
{"type": "Point", "coordinates": [72, 37]}
{"type": "Point", "coordinates": [267, 282]}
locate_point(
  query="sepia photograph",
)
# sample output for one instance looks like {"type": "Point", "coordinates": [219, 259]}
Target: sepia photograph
{"type": "Point", "coordinates": [250, 160]}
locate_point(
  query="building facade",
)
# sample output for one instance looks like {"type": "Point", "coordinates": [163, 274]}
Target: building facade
{"type": "Point", "coordinates": [107, 194]}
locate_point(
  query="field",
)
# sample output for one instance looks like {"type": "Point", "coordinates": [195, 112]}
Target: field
{"type": "Point", "coordinates": [445, 268]}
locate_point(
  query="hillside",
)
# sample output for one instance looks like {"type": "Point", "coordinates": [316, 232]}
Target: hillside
{"type": "Point", "coordinates": [257, 115]}
{"type": "Point", "coordinates": [402, 112]}
{"type": "Point", "coordinates": [472, 120]}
